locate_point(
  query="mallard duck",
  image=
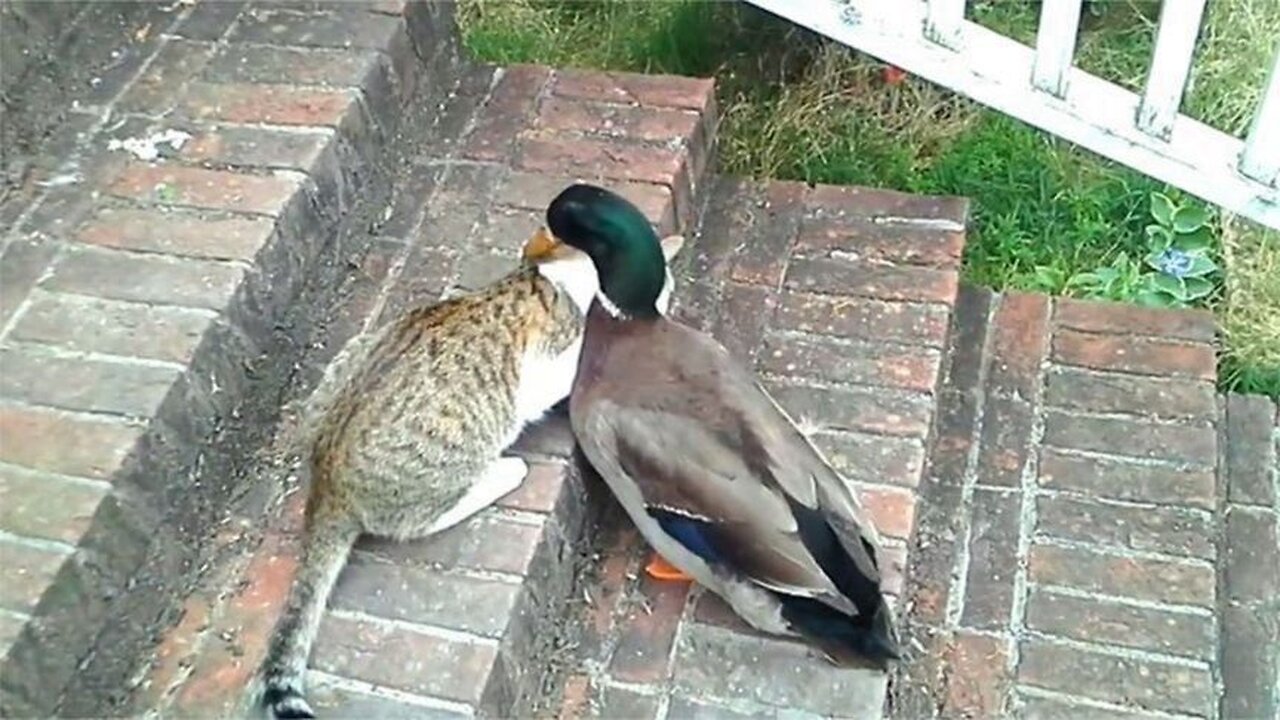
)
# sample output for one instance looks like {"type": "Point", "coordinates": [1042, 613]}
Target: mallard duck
{"type": "Point", "coordinates": [715, 475]}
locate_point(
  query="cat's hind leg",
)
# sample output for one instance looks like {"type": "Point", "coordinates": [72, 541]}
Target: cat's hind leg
{"type": "Point", "coordinates": [499, 477]}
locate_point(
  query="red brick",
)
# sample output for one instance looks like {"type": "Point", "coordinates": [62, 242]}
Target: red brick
{"type": "Point", "coordinates": [857, 409]}
{"type": "Point", "coordinates": [259, 147]}
{"type": "Point", "coordinates": [575, 697]}
{"type": "Point", "coordinates": [893, 510]}
{"type": "Point", "coordinates": [119, 275]}
{"type": "Point", "coordinates": [715, 662]}
{"type": "Point", "coordinates": [25, 573]}
{"type": "Point", "coordinates": [1019, 341]}
{"type": "Point", "coordinates": [1106, 317]}
{"type": "Point", "coordinates": [1127, 481]}
{"type": "Point", "coordinates": [891, 207]}
{"type": "Point", "coordinates": [155, 91]}
{"type": "Point", "coordinates": [607, 590]}
{"type": "Point", "coordinates": [236, 63]}
{"type": "Point", "coordinates": [1108, 623]}
{"type": "Point", "coordinates": [631, 123]}
{"type": "Point", "coordinates": [489, 541]}
{"type": "Point", "coordinates": [862, 240]}
{"type": "Point", "coordinates": [541, 488]}
{"type": "Point", "coordinates": [863, 318]}
{"type": "Point", "coordinates": [270, 104]}
{"type": "Point", "coordinates": [1251, 564]}
{"type": "Point", "coordinates": [22, 263]}
{"type": "Point", "coordinates": [426, 595]}
{"type": "Point", "coordinates": [993, 560]}
{"type": "Point", "coordinates": [667, 91]}
{"type": "Point", "coordinates": [1036, 707]}
{"type": "Point", "coordinates": [1121, 680]}
{"type": "Point", "coordinates": [1177, 443]}
{"type": "Point", "coordinates": [94, 325]}
{"type": "Point", "coordinates": [893, 568]}
{"type": "Point", "coordinates": [403, 659]}
{"type": "Point", "coordinates": [178, 232]}
{"type": "Point", "coordinates": [647, 632]}
{"type": "Point", "coordinates": [614, 701]}
{"type": "Point", "coordinates": [873, 458]}
{"type": "Point", "coordinates": [1251, 457]}
{"type": "Point", "coordinates": [884, 282]}
{"type": "Point", "coordinates": [1134, 394]}
{"type": "Point", "coordinates": [536, 191]}
{"type": "Point", "coordinates": [1146, 356]}
{"type": "Point", "coordinates": [338, 27]}
{"type": "Point", "coordinates": [1005, 442]}
{"type": "Point", "coordinates": [761, 258]}
{"type": "Point", "coordinates": [976, 682]}
{"type": "Point", "coordinates": [198, 187]}
{"type": "Point", "coordinates": [1139, 578]}
{"type": "Point", "coordinates": [506, 113]}
{"type": "Point", "coordinates": [63, 443]}
{"type": "Point", "coordinates": [744, 313]}
{"type": "Point", "coordinates": [709, 609]}
{"type": "Point", "coordinates": [240, 633]}
{"type": "Point", "coordinates": [843, 362]}
{"type": "Point", "coordinates": [177, 646]}
{"type": "Point", "coordinates": [1173, 531]}
{"type": "Point", "coordinates": [46, 506]}
{"type": "Point", "coordinates": [606, 158]}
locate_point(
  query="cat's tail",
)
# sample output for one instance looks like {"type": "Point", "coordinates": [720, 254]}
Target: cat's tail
{"type": "Point", "coordinates": [330, 534]}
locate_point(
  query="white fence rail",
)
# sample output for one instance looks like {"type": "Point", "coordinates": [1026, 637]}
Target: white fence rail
{"type": "Point", "coordinates": [1041, 86]}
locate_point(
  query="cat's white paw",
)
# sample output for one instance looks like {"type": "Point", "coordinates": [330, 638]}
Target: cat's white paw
{"type": "Point", "coordinates": [499, 477]}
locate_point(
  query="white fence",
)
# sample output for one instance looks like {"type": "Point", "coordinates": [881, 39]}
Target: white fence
{"type": "Point", "coordinates": [932, 39]}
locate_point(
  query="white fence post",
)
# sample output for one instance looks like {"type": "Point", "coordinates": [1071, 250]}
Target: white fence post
{"type": "Point", "coordinates": [1261, 157]}
{"type": "Point", "coordinates": [1055, 45]}
{"type": "Point", "coordinates": [942, 22]}
{"type": "Point", "coordinates": [1170, 65]}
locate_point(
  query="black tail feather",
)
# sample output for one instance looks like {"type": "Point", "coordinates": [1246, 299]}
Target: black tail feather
{"type": "Point", "coordinates": [286, 701]}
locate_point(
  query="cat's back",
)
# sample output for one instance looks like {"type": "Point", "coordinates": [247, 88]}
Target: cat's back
{"type": "Point", "coordinates": [448, 372]}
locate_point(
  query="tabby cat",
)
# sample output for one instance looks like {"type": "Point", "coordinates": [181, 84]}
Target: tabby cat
{"type": "Point", "coordinates": [403, 434]}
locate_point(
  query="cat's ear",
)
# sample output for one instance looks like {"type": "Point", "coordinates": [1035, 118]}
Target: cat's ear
{"type": "Point", "coordinates": [671, 245]}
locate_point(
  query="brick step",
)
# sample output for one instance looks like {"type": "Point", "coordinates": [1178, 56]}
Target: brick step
{"type": "Point", "coordinates": [156, 298]}
{"type": "Point", "coordinates": [840, 298]}
{"type": "Point", "coordinates": [467, 622]}
{"type": "Point", "coordinates": [1097, 528]}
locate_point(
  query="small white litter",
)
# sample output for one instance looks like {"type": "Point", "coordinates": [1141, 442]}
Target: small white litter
{"type": "Point", "coordinates": [147, 148]}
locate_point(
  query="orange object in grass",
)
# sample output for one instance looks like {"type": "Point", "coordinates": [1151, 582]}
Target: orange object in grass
{"type": "Point", "coordinates": [894, 75]}
{"type": "Point", "coordinates": [659, 569]}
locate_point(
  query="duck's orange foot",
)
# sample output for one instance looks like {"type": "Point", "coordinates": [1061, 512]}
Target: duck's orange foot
{"type": "Point", "coordinates": [659, 569]}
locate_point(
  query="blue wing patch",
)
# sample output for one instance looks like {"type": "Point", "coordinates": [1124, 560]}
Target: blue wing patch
{"type": "Point", "coordinates": [696, 535]}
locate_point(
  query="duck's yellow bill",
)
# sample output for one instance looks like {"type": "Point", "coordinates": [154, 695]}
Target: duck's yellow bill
{"type": "Point", "coordinates": [659, 569]}
{"type": "Point", "coordinates": [542, 246]}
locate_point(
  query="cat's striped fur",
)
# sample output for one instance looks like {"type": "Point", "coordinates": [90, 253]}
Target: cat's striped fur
{"type": "Point", "coordinates": [403, 435]}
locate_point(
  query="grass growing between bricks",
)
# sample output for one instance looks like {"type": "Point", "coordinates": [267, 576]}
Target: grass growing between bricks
{"type": "Point", "coordinates": [1047, 215]}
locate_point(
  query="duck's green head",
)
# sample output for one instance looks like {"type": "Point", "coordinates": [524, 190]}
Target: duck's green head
{"type": "Point", "coordinates": [620, 242]}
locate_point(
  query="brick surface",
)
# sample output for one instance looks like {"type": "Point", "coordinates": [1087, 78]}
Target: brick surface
{"type": "Point", "coordinates": [647, 632]}
{"type": "Point", "coordinates": [1146, 684]}
{"type": "Point", "coordinates": [89, 385]}
{"type": "Point", "coordinates": [46, 506]}
{"type": "Point", "coordinates": [476, 605]}
{"type": "Point", "coordinates": [1113, 478]}
{"type": "Point", "coordinates": [1131, 438]}
{"type": "Point", "coordinates": [26, 572]}
{"type": "Point", "coordinates": [1108, 623]}
{"type": "Point", "coordinates": [115, 328]}
{"type": "Point", "coordinates": [863, 318]}
{"type": "Point", "coordinates": [1115, 393]}
{"type": "Point", "coordinates": [1250, 661]}
{"type": "Point", "coordinates": [277, 105]}
{"type": "Point", "coordinates": [289, 65]}
{"type": "Point", "coordinates": [866, 458]}
{"type": "Point", "coordinates": [198, 187]}
{"type": "Point", "coordinates": [142, 278]}
{"type": "Point", "coordinates": [178, 232]}
{"type": "Point", "coordinates": [609, 159]}
{"type": "Point", "coordinates": [857, 409]}
{"type": "Point", "coordinates": [338, 27]}
{"type": "Point", "coordinates": [44, 439]}
{"type": "Point", "coordinates": [1134, 354]}
{"type": "Point", "coordinates": [1193, 325]}
{"type": "Point", "coordinates": [1251, 456]}
{"type": "Point", "coordinates": [660, 91]}
{"type": "Point", "coordinates": [1173, 531]}
{"type": "Point", "coordinates": [22, 263]}
{"type": "Point", "coordinates": [505, 112]}
{"type": "Point", "coordinates": [1150, 579]}
{"type": "Point", "coordinates": [849, 362]}
{"type": "Point", "coordinates": [993, 559]}
{"type": "Point", "coordinates": [156, 90]}
{"type": "Point", "coordinates": [1251, 564]}
{"type": "Point", "coordinates": [875, 281]}
{"type": "Point", "coordinates": [293, 149]}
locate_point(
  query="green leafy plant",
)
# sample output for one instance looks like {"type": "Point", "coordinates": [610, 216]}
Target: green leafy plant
{"type": "Point", "coordinates": [1176, 271]}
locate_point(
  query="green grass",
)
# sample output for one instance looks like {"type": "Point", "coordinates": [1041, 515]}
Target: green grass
{"type": "Point", "coordinates": [796, 107]}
